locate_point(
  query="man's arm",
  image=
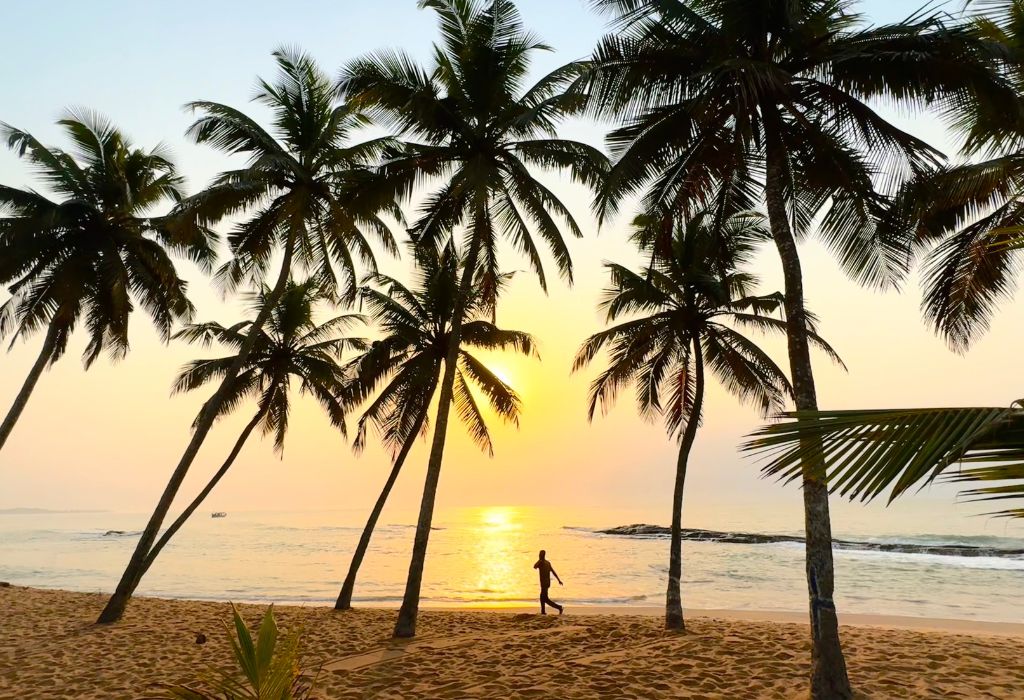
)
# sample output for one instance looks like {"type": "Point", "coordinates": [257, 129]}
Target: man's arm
{"type": "Point", "coordinates": [537, 565]}
{"type": "Point", "coordinates": [555, 574]}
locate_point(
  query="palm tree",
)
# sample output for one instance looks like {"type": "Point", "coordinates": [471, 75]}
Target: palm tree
{"type": "Point", "coordinates": [404, 367]}
{"type": "Point", "coordinates": [291, 345]}
{"type": "Point", "coordinates": [976, 212]}
{"type": "Point", "coordinates": [93, 252]}
{"type": "Point", "coordinates": [308, 193]}
{"type": "Point", "coordinates": [683, 313]}
{"type": "Point", "coordinates": [772, 101]}
{"type": "Point", "coordinates": [475, 126]}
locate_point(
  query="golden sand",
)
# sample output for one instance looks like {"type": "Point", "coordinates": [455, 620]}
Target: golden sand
{"type": "Point", "coordinates": [50, 649]}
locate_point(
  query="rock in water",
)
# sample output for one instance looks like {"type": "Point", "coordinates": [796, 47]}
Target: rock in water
{"type": "Point", "coordinates": [694, 535]}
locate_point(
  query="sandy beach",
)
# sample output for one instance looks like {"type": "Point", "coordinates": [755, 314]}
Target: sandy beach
{"type": "Point", "coordinates": [51, 649]}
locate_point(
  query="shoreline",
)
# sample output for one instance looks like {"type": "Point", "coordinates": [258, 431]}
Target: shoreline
{"type": "Point", "coordinates": [881, 621]}
{"type": "Point", "coordinates": [870, 620]}
{"type": "Point", "coordinates": [52, 648]}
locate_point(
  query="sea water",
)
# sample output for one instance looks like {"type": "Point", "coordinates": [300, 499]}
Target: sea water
{"type": "Point", "coordinates": [485, 556]}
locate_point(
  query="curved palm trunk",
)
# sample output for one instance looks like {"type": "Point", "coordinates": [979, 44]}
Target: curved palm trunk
{"type": "Point", "coordinates": [198, 501]}
{"type": "Point", "coordinates": [828, 667]}
{"type": "Point", "coordinates": [674, 596]}
{"type": "Point", "coordinates": [115, 607]}
{"type": "Point", "coordinates": [406, 624]}
{"type": "Point", "coordinates": [45, 353]}
{"type": "Point", "coordinates": [344, 601]}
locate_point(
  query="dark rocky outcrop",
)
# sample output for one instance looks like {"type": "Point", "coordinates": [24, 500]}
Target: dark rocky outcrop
{"type": "Point", "coordinates": [694, 535]}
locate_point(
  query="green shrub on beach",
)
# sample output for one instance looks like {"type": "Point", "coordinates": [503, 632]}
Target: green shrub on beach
{"type": "Point", "coordinates": [268, 669]}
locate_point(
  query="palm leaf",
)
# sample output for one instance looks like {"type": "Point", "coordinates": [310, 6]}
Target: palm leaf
{"type": "Point", "coordinates": [868, 453]}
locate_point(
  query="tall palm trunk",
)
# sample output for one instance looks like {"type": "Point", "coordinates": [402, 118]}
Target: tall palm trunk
{"type": "Point", "coordinates": [115, 607]}
{"type": "Point", "coordinates": [674, 596]}
{"type": "Point", "coordinates": [45, 353]}
{"type": "Point", "coordinates": [344, 601]}
{"type": "Point", "coordinates": [198, 501]}
{"type": "Point", "coordinates": [829, 679]}
{"type": "Point", "coordinates": [406, 624]}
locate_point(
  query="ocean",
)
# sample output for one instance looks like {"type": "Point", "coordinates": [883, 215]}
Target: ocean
{"type": "Point", "coordinates": [485, 556]}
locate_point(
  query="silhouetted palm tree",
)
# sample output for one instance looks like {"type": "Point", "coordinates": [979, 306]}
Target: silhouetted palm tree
{"type": "Point", "coordinates": [404, 367]}
{"type": "Point", "coordinates": [477, 126]}
{"type": "Point", "coordinates": [96, 250]}
{"type": "Point", "coordinates": [290, 346]}
{"type": "Point", "coordinates": [681, 315]}
{"type": "Point", "coordinates": [772, 100]}
{"type": "Point", "coordinates": [976, 213]}
{"type": "Point", "coordinates": [308, 194]}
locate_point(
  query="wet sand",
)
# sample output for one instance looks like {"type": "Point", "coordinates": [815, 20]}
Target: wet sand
{"type": "Point", "coordinates": [50, 649]}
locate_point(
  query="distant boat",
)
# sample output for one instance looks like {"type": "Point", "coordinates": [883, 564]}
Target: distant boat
{"type": "Point", "coordinates": [219, 514]}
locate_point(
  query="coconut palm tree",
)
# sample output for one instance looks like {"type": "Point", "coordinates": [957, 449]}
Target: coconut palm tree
{"type": "Point", "coordinates": [474, 126]}
{"type": "Point", "coordinates": [95, 249]}
{"type": "Point", "coordinates": [976, 213]}
{"type": "Point", "coordinates": [290, 346]}
{"type": "Point", "coordinates": [771, 101]}
{"type": "Point", "coordinates": [680, 316]}
{"type": "Point", "coordinates": [306, 193]}
{"type": "Point", "coordinates": [404, 367]}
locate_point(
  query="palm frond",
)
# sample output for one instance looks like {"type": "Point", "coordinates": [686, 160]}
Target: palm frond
{"type": "Point", "coordinates": [868, 453]}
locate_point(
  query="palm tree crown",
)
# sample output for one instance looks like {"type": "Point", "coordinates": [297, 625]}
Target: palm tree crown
{"type": "Point", "coordinates": [971, 214]}
{"type": "Point", "coordinates": [94, 252]}
{"type": "Point", "coordinates": [476, 125]}
{"type": "Point", "coordinates": [98, 248]}
{"type": "Point", "coordinates": [292, 345]}
{"type": "Point", "coordinates": [710, 87]}
{"type": "Point", "coordinates": [404, 367]}
{"type": "Point", "coordinates": [307, 190]}
{"type": "Point", "coordinates": [697, 294]}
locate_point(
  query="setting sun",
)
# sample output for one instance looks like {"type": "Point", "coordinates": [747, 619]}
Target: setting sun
{"type": "Point", "coordinates": [500, 517]}
{"type": "Point", "coordinates": [504, 375]}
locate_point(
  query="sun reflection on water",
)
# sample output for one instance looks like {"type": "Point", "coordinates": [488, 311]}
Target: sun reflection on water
{"type": "Point", "coordinates": [498, 554]}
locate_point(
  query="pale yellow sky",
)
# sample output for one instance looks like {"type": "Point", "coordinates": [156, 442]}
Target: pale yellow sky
{"type": "Point", "coordinates": [108, 438]}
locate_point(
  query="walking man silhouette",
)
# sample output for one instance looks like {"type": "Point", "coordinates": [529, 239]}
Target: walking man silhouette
{"type": "Point", "coordinates": [546, 571]}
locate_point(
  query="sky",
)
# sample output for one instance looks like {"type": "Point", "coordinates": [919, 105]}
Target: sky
{"type": "Point", "coordinates": [109, 438]}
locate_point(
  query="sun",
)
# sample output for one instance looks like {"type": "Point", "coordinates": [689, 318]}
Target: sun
{"type": "Point", "coordinates": [503, 374]}
{"type": "Point", "coordinates": [499, 517]}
